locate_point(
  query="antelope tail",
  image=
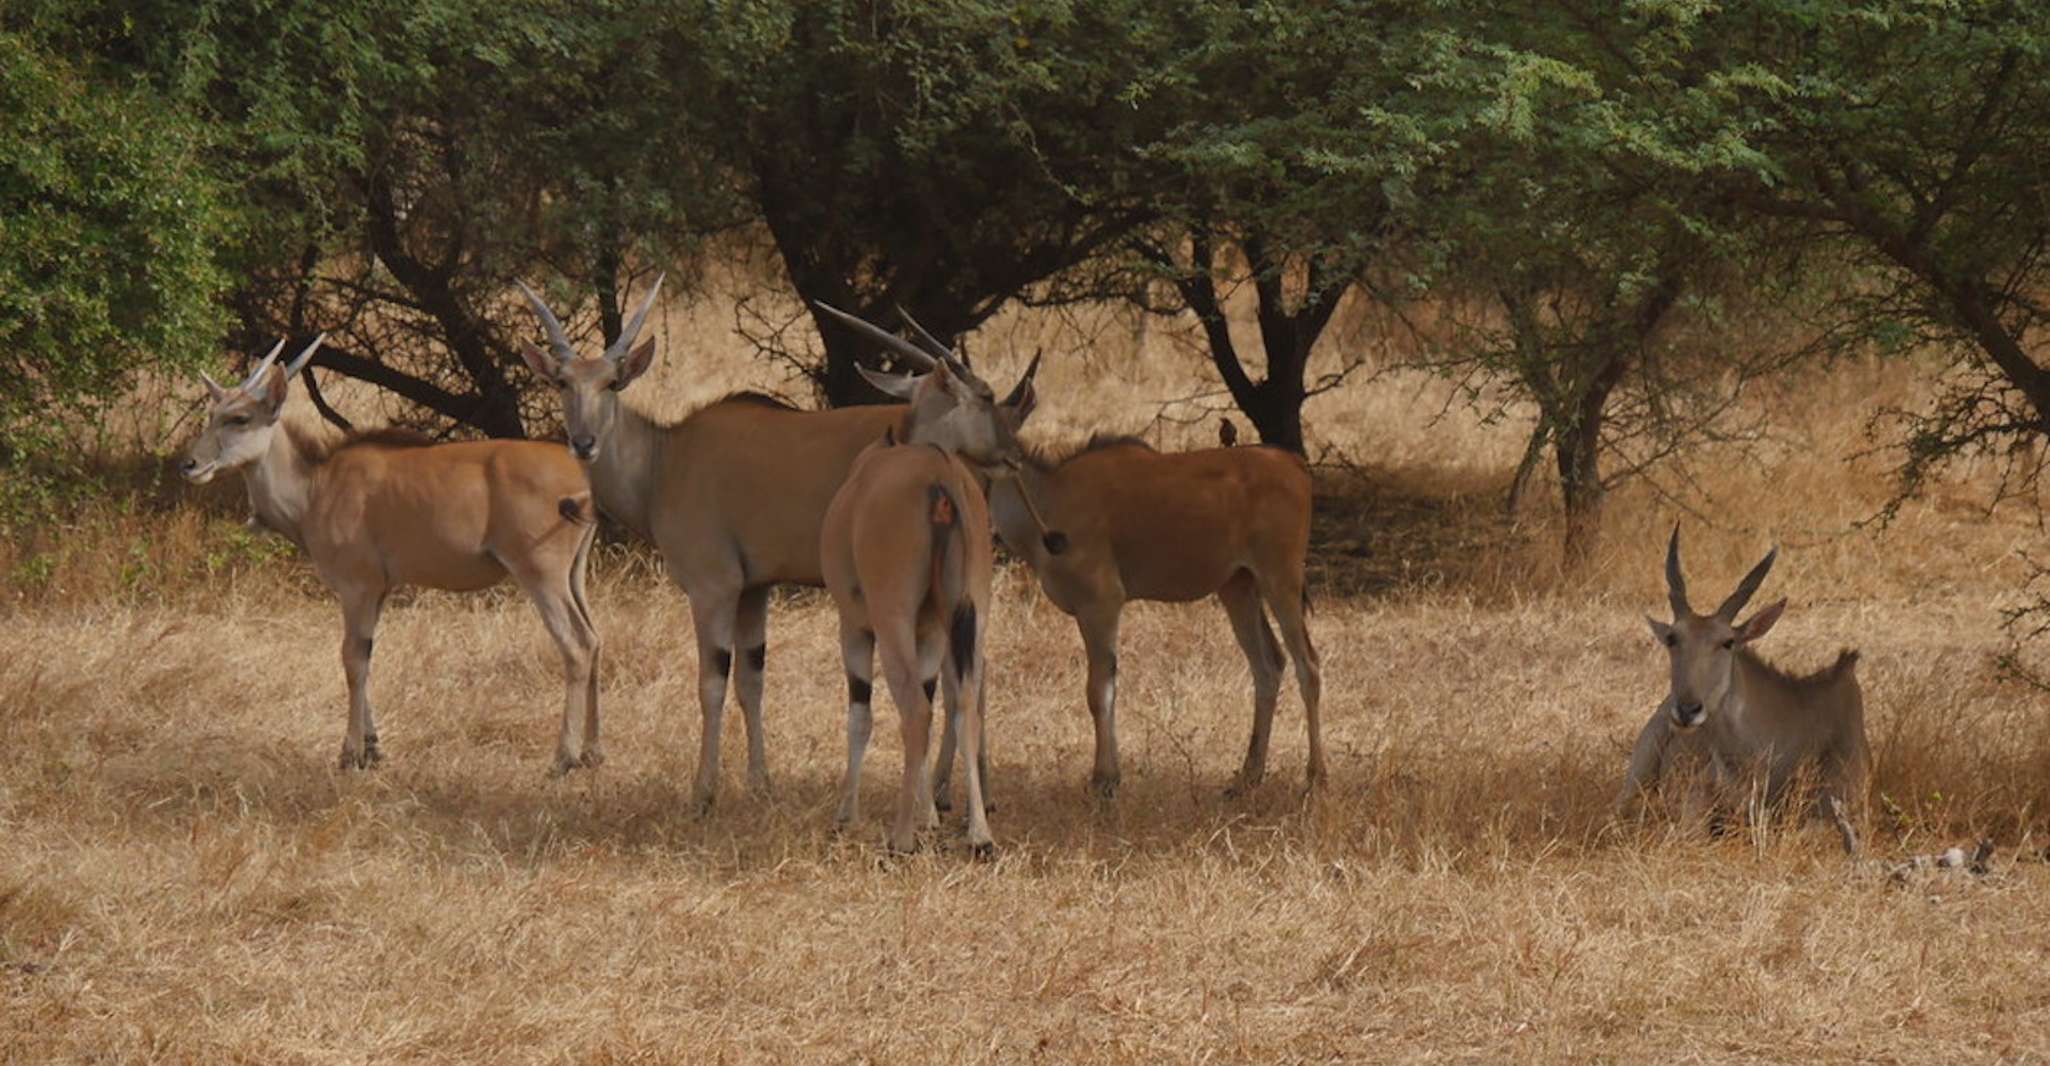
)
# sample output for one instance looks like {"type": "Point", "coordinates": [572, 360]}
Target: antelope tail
{"type": "Point", "coordinates": [948, 556]}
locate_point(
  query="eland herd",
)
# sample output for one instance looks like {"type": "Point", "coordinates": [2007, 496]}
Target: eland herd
{"type": "Point", "coordinates": [894, 510]}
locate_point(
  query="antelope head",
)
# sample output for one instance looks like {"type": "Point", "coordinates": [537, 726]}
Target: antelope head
{"type": "Point", "coordinates": [1703, 648]}
{"type": "Point", "coordinates": [953, 408]}
{"type": "Point", "coordinates": [590, 387]}
{"type": "Point", "coordinates": [240, 420]}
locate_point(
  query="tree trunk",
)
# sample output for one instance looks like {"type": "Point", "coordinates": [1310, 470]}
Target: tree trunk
{"type": "Point", "coordinates": [1578, 450]}
{"type": "Point", "coordinates": [1273, 404]}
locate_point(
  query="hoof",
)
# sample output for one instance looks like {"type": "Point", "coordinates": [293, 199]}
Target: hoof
{"type": "Point", "coordinates": [1103, 786]}
{"type": "Point", "coordinates": [984, 851]}
{"type": "Point", "coordinates": [593, 759]}
{"type": "Point", "coordinates": [942, 800]}
{"type": "Point", "coordinates": [363, 760]}
{"type": "Point", "coordinates": [758, 785]}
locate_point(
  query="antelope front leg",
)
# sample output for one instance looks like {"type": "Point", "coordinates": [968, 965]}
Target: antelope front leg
{"type": "Point", "coordinates": [713, 618]}
{"type": "Point", "coordinates": [1647, 756]}
{"type": "Point", "coordinates": [1100, 641]}
{"type": "Point", "coordinates": [359, 628]}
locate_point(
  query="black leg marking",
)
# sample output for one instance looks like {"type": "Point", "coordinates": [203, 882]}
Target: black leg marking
{"type": "Point", "coordinates": [368, 643]}
{"type": "Point", "coordinates": [961, 639]}
{"type": "Point", "coordinates": [757, 657]}
{"type": "Point", "coordinates": [930, 684]}
{"type": "Point", "coordinates": [858, 691]}
{"type": "Point", "coordinates": [722, 662]}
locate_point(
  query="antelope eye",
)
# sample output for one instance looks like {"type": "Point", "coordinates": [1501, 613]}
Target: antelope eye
{"type": "Point", "coordinates": [1730, 643]}
{"type": "Point", "coordinates": [1672, 641]}
{"type": "Point", "coordinates": [239, 420]}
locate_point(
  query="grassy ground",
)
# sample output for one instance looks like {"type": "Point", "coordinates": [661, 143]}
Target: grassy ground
{"type": "Point", "coordinates": [184, 876]}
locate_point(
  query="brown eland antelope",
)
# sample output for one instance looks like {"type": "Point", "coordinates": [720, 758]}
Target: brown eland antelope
{"type": "Point", "coordinates": [734, 493]}
{"type": "Point", "coordinates": [1143, 525]}
{"type": "Point", "coordinates": [386, 508]}
{"type": "Point", "coordinates": [907, 558]}
{"type": "Point", "coordinates": [1754, 726]}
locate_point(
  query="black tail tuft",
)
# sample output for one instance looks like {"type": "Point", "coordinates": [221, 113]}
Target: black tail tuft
{"type": "Point", "coordinates": [961, 638]}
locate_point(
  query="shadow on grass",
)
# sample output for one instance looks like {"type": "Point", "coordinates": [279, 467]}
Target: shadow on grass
{"type": "Point", "coordinates": [1376, 531]}
{"type": "Point", "coordinates": [1449, 809]}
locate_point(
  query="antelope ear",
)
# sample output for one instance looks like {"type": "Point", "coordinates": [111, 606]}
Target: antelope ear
{"type": "Point", "coordinates": [891, 384]}
{"type": "Point", "coordinates": [541, 363]}
{"type": "Point", "coordinates": [1663, 631]}
{"type": "Point", "coordinates": [1024, 396]}
{"type": "Point", "coordinates": [274, 387]}
{"type": "Point", "coordinates": [635, 364]}
{"type": "Point", "coordinates": [1759, 624]}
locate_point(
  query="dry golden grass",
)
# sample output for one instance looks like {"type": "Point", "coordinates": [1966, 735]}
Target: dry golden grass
{"type": "Point", "coordinates": [184, 876]}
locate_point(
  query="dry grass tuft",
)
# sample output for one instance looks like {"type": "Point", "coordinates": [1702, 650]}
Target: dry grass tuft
{"type": "Point", "coordinates": [185, 877]}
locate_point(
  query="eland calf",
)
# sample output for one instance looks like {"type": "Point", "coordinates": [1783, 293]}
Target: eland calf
{"type": "Point", "coordinates": [1756, 728]}
{"type": "Point", "coordinates": [382, 509]}
{"type": "Point", "coordinates": [735, 492]}
{"type": "Point", "coordinates": [1142, 525]}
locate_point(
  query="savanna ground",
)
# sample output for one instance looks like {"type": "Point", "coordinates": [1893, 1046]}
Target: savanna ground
{"type": "Point", "coordinates": [185, 876]}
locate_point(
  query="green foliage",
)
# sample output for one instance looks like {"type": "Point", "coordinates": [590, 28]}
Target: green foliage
{"type": "Point", "coordinates": [108, 227]}
{"type": "Point", "coordinates": [942, 156]}
{"type": "Point", "coordinates": [1909, 136]}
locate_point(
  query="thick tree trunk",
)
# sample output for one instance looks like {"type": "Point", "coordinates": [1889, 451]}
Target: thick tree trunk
{"type": "Point", "coordinates": [1273, 404]}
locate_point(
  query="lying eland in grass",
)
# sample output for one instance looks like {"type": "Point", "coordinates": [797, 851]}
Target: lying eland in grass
{"type": "Point", "coordinates": [1756, 728]}
{"type": "Point", "coordinates": [735, 493]}
{"type": "Point", "coordinates": [1144, 525]}
{"type": "Point", "coordinates": [383, 509]}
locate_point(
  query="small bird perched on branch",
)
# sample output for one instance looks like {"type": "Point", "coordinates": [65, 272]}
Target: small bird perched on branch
{"type": "Point", "coordinates": [1227, 434]}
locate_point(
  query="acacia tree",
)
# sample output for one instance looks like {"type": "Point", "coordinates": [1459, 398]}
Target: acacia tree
{"type": "Point", "coordinates": [1294, 172]}
{"type": "Point", "coordinates": [395, 168]}
{"type": "Point", "coordinates": [1590, 252]}
{"type": "Point", "coordinates": [1913, 134]}
{"type": "Point", "coordinates": [939, 157]}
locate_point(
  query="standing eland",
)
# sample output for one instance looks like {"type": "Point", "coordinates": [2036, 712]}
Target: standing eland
{"type": "Point", "coordinates": [907, 558]}
{"type": "Point", "coordinates": [1754, 726]}
{"type": "Point", "coordinates": [1142, 525]}
{"type": "Point", "coordinates": [382, 509]}
{"type": "Point", "coordinates": [734, 494]}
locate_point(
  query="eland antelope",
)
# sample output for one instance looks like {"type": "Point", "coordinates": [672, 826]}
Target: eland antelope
{"type": "Point", "coordinates": [1143, 525]}
{"type": "Point", "coordinates": [907, 558]}
{"type": "Point", "coordinates": [1753, 726]}
{"type": "Point", "coordinates": [382, 509]}
{"type": "Point", "coordinates": [735, 492]}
